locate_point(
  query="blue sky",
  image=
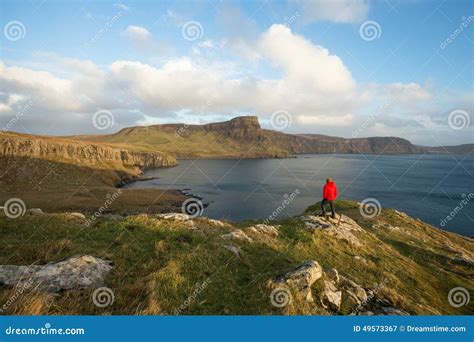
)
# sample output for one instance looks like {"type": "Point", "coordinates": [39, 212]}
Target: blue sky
{"type": "Point", "coordinates": [301, 66]}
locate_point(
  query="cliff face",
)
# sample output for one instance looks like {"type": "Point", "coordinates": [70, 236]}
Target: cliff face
{"type": "Point", "coordinates": [243, 127]}
{"type": "Point", "coordinates": [376, 145]}
{"type": "Point", "coordinates": [64, 150]}
{"type": "Point", "coordinates": [243, 137]}
{"type": "Point", "coordinates": [460, 149]}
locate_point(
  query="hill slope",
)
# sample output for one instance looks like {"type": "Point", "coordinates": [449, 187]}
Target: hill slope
{"type": "Point", "coordinates": [60, 174]}
{"type": "Point", "coordinates": [242, 137]}
{"type": "Point", "coordinates": [178, 266]}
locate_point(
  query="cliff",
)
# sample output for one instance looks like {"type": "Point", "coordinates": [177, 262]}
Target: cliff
{"type": "Point", "coordinates": [242, 137]}
{"type": "Point", "coordinates": [460, 149]}
{"type": "Point", "coordinates": [80, 153]}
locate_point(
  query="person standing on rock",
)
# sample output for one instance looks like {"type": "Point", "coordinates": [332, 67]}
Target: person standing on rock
{"type": "Point", "coordinates": [329, 195]}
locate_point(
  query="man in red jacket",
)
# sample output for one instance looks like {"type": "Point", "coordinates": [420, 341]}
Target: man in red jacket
{"type": "Point", "coordinates": [329, 195]}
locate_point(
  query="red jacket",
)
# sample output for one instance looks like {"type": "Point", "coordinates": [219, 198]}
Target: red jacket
{"type": "Point", "coordinates": [330, 191]}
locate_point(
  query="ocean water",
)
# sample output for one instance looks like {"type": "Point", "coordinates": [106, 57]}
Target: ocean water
{"type": "Point", "coordinates": [429, 187]}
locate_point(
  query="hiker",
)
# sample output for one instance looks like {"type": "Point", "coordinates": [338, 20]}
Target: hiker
{"type": "Point", "coordinates": [329, 195]}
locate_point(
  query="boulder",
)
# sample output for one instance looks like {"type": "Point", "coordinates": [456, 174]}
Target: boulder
{"type": "Point", "coordinates": [315, 222]}
{"type": "Point", "coordinates": [233, 249]}
{"type": "Point", "coordinates": [264, 229]}
{"type": "Point", "coordinates": [237, 234]}
{"type": "Point", "coordinates": [218, 223]}
{"type": "Point", "coordinates": [75, 216]}
{"type": "Point", "coordinates": [73, 273]}
{"type": "Point", "coordinates": [35, 211]}
{"type": "Point", "coordinates": [301, 279]}
{"type": "Point", "coordinates": [355, 289]}
{"type": "Point", "coordinates": [360, 293]}
{"type": "Point", "coordinates": [174, 216]}
{"type": "Point", "coordinates": [331, 297]}
{"type": "Point", "coordinates": [341, 228]}
{"type": "Point", "coordinates": [381, 307]}
{"type": "Point", "coordinates": [333, 275]}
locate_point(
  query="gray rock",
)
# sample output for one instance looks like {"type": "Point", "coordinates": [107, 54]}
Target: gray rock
{"type": "Point", "coordinates": [76, 272]}
{"type": "Point", "coordinates": [237, 234]}
{"type": "Point", "coordinates": [354, 288]}
{"type": "Point", "coordinates": [35, 211]}
{"type": "Point", "coordinates": [264, 229]}
{"type": "Point", "coordinates": [174, 216]}
{"type": "Point", "coordinates": [331, 297]}
{"type": "Point", "coordinates": [333, 275]}
{"type": "Point", "coordinates": [301, 279]}
{"type": "Point", "coordinates": [218, 223]}
{"type": "Point", "coordinates": [233, 249]}
{"type": "Point", "coordinates": [341, 228]}
{"type": "Point", "coordinates": [314, 222]}
{"type": "Point", "coordinates": [381, 307]}
{"type": "Point", "coordinates": [75, 216]}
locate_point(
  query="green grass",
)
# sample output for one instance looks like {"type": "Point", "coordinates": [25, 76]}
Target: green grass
{"type": "Point", "coordinates": [159, 265]}
{"type": "Point", "coordinates": [190, 144]}
{"type": "Point", "coordinates": [57, 187]}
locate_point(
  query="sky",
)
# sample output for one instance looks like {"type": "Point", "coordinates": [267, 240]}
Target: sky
{"type": "Point", "coordinates": [349, 68]}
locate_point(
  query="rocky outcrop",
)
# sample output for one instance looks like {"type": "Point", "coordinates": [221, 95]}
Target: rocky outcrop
{"type": "Point", "coordinates": [321, 144]}
{"type": "Point", "coordinates": [237, 234]}
{"type": "Point", "coordinates": [233, 249]}
{"type": "Point", "coordinates": [174, 216]}
{"type": "Point", "coordinates": [76, 272]}
{"type": "Point", "coordinates": [342, 227]}
{"type": "Point", "coordinates": [259, 232]}
{"type": "Point", "coordinates": [264, 230]}
{"type": "Point", "coordinates": [35, 211]}
{"type": "Point", "coordinates": [80, 153]}
{"type": "Point", "coordinates": [380, 307]}
{"type": "Point", "coordinates": [338, 289]}
{"type": "Point", "coordinates": [218, 223]}
{"type": "Point", "coordinates": [300, 280]}
{"type": "Point", "coordinates": [331, 297]}
{"type": "Point", "coordinates": [239, 128]}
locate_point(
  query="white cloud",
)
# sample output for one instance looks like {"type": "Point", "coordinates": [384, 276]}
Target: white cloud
{"type": "Point", "coordinates": [346, 120]}
{"type": "Point", "coordinates": [408, 92]}
{"type": "Point", "coordinates": [306, 64]}
{"type": "Point", "coordinates": [121, 6]}
{"type": "Point", "coordinates": [309, 82]}
{"type": "Point", "coordinates": [339, 11]}
{"type": "Point", "coordinates": [55, 93]}
{"type": "Point", "coordinates": [206, 44]}
{"type": "Point", "coordinates": [137, 34]}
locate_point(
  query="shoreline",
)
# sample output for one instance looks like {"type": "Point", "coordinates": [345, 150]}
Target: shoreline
{"type": "Point", "coordinates": [426, 216]}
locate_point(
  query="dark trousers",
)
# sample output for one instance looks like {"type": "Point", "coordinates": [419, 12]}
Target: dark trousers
{"type": "Point", "coordinates": [331, 203]}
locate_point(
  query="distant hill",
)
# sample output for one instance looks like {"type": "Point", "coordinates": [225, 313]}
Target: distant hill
{"type": "Point", "coordinates": [97, 155]}
{"type": "Point", "coordinates": [460, 149]}
{"type": "Point", "coordinates": [242, 137]}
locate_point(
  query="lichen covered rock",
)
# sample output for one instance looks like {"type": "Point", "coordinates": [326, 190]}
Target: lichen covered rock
{"type": "Point", "coordinates": [301, 279]}
{"type": "Point", "coordinates": [73, 273]}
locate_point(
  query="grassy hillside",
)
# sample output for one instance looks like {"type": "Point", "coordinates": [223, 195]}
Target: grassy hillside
{"type": "Point", "coordinates": [242, 137]}
{"type": "Point", "coordinates": [55, 186]}
{"type": "Point", "coordinates": [59, 174]}
{"type": "Point", "coordinates": [160, 264]}
{"type": "Point", "coordinates": [239, 138]}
